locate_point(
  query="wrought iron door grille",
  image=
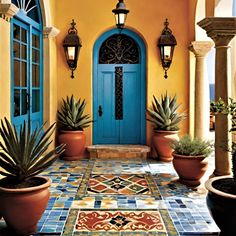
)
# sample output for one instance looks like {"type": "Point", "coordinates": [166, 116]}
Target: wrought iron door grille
{"type": "Point", "coordinates": [119, 93]}
{"type": "Point", "coordinates": [119, 49]}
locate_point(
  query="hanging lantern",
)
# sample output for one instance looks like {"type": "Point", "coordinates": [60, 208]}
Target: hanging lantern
{"type": "Point", "coordinates": [166, 44]}
{"type": "Point", "coordinates": [120, 14]}
{"type": "Point", "coordinates": [72, 45]}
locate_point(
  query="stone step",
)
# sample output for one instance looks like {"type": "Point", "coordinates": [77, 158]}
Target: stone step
{"type": "Point", "coordinates": [118, 151]}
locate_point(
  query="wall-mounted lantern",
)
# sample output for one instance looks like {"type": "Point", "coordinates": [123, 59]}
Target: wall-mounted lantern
{"type": "Point", "coordinates": [120, 13]}
{"type": "Point", "coordinates": [72, 45]}
{"type": "Point", "coordinates": [166, 44]}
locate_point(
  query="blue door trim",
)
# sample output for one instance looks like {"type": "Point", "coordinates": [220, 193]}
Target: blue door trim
{"type": "Point", "coordinates": [33, 28]}
{"type": "Point", "coordinates": [142, 48]}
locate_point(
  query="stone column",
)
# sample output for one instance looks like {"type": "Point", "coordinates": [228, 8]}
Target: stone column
{"type": "Point", "coordinates": [221, 30]}
{"type": "Point", "coordinates": [201, 106]}
{"type": "Point", "coordinates": [50, 77]}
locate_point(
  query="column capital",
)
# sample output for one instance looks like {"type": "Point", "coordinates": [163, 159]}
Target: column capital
{"type": "Point", "coordinates": [200, 48]}
{"type": "Point", "coordinates": [220, 29]}
{"type": "Point", "coordinates": [50, 32]}
{"type": "Point", "coordinates": [7, 9]}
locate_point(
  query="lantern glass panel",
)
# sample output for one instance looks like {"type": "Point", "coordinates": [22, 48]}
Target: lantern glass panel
{"type": "Point", "coordinates": [167, 52]}
{"type": "Point", "coordinates": [122, 18]}
{"type": "Point", "coordinates": [71, 53]}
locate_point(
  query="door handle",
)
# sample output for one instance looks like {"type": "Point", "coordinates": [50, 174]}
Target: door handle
{"type": "Point", "coordinates": [27, 101]}
{"type": "Point", "coordinates": [100, 110]}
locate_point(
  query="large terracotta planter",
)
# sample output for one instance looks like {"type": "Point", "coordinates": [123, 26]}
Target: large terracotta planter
{"type": "Point", "coordinates": [190, 168]}
{"type": "Point", "coordinates": [162, 141]}
{"type": "Point", "coordinates": [222, 205]}
{"type": "Point", "coordinates": [22, 208]}
{"type": "Point", "coordinates": [75, 144]}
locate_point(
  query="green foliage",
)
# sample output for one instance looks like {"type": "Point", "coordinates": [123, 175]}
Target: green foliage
{"type": "Point", "coordinates": [220, 107]}
{"type": "Point", "coordinates": [192, 147]}
{"type": "Point", "coordinates": [24, 156]}
{"type": "Point", "coordinates": [217, 107]}
{"type": "Point", "coordinates": [70, 116]}
{"type": "Point", "coordinates": [164, 114]}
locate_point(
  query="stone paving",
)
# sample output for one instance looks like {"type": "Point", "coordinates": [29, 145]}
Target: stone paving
{"type": "Point", "coordinates": [150, 188]}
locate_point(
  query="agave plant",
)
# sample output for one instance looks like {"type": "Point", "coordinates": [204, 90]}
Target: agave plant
{"type": "Point", "coordinates": [164, 113]}
{"type": "Point", "coordinates": [23, 155]}
{"type": "Point", "coordinates": [71, 115]}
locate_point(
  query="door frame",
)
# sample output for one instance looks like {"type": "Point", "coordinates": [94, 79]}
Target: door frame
{"type": "Point", "coordinates": [142, 49]}
{"type": "Point", "coordinates": [33, 28]}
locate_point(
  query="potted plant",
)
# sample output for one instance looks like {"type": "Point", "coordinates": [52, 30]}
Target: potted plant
{"type": "Point", "coordinates": [221, 197]}
{"type": "Point", "coordinates": [23, 194]}
{"type": "Point", "coordinates": [190, 160]}
{"type": "Point", "coordinates": [72, 121]}
{"type": "Point", "coordinates": [165, 117]}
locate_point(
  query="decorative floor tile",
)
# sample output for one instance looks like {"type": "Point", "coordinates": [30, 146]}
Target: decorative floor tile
{"type": "Point", "coordinates": [118, 184]}
{"type": "Point", "coordinates": [150, 203]}
{"type": "Point", "coordinates": [77, 167]}
{"type": "Point", "coordinates": [116, 222]}
{"type": "Point", "coordinates": [169, 187]}
{"type": "Point", "coordinates": [63, 190]}
{"type": "Point", "coordinates": [191, 216]}
{"type": "Point", "coordinates": [53, 221]}
{"type": "Point", "coordinates": [119, 221]}
{"type": "Point", "coordinates": [83, 202]}
{"type": "Point", "coordinates": [122, 167]}
{"type": "Point", "coordinates": [137, 185]}
{"type": "Point", "coordinates": [157, 167]}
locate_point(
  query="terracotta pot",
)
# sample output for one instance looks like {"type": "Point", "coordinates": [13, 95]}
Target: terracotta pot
{"type": "Point", "coordinates": [22, 208]}
{"type": "Point", "coordinates": [162, 141]}
{"type": "Point", "coordinates": [222, 205]}
{"type": "Point", "coordinates": [75, 144]}
{"type": "Point", "coordinates": [190, 168]}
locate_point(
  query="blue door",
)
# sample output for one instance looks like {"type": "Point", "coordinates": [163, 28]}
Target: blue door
{"type": "Point", "coordinates": [119, 92]}
{"type": "Point", "coordinates": [26, 66]}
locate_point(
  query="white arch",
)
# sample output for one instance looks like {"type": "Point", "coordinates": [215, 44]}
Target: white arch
{"type": "Point", "coordinates": [200, 34]}
{"type": "Point", "coordinates": [46, 12]}
{"type": "Point", "coordinates": [223, 8]}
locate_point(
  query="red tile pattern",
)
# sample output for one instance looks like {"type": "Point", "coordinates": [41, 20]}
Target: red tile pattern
{"type": "Point", "coordinates": [118, 184]}
{"type": "Point", "coordinates": [119, 221]}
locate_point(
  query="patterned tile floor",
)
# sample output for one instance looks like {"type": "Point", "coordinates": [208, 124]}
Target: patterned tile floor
{"type": "Point", "coordinates": [151, 188]}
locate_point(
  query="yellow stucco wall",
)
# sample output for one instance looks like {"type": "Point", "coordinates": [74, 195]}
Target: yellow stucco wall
{"type": "Point", "coordinates": [95, 17]}
{"type": "Point", "coordinates": [5, 68]}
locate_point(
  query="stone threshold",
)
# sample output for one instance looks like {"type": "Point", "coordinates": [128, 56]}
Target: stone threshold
{"type": "Point", "coordinates": [118, 151]}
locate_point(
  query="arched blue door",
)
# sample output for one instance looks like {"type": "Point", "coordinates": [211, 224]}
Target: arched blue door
{"type": "Point", "coordinates": [119, 89]}
{"type": "Point", "coordinates": [27, 64]}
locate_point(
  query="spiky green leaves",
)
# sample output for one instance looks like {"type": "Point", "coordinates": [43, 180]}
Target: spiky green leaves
{"type": "Point", "coordinates": [24, 155]}
{"type": "Point", "coordinates": [70, 115]}
{"type": "Point", "coordinates": [164, 114]}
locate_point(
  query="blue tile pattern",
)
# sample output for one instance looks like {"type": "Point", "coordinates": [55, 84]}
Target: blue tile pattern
{"type": "Point", "coordinates": [185, 206]}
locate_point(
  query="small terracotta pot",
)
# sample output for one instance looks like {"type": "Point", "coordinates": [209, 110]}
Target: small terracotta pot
{"type": "Point", "coordinates": [162, 141]}
{"type": "Point", "coordinates": [75, 144]}
{"type": "Point", "coordinates": [190, 168]}
{"type": "Point", "coordinates": [23, 208]}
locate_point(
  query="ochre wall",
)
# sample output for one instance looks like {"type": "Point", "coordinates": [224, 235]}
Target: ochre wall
{"type": "Point", "coordinates": [5, 68]}
{"type": "Point", "coordinates": [146, 18]}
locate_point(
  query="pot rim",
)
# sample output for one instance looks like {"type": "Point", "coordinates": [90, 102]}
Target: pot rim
{"type": "Point", "coordinates": [166, 131]}
{"type": "Point", "coordinates": [188, 157]}
{"type": "Point", "coordinates": [29, 189]}
{"type": "Point", "coordinates": [209, 187]}
{"type": "Point", "coordinates": [71, 131]}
